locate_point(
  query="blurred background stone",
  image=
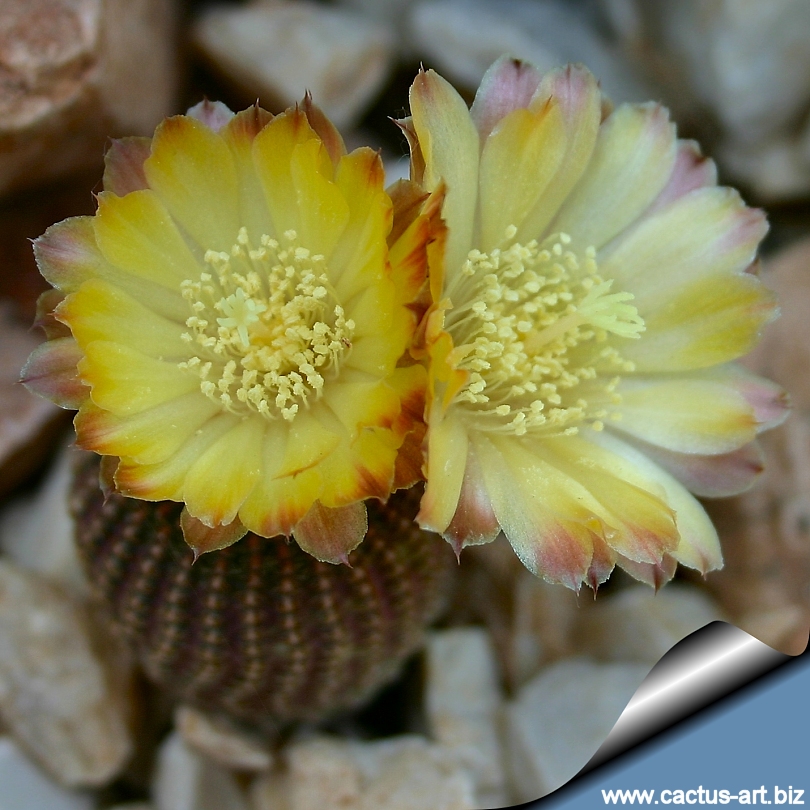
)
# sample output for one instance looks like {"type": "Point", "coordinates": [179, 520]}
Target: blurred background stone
{"type": "Point", "coordinates": [55, 696]}
{"type": "Point", "coordinates": [277, 50]}
{"type": "Point", "coordinates": [560, 718]}
{"type": "Point", "coordinates": [75, 73]}
{"type": "Point", "coordinates": [464, 37]}
{"type": "Point", "coordinates": [28, 424]}
{"type": "Point", "coordinates": [739, 73]}
{"type": "Point", "coordinates": [765, 584]}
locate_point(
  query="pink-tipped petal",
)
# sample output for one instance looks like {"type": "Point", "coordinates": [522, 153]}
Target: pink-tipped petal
{"type": "Point", "coordinates": [44, 318]}
{"type": "Point", "coordinates": [67, 253]}
{"type": "Point", "coordinates": [123, 165]}
{"type": "Point", "coordinates": [602, 563]}
{"type": "Point", "coordinates": [474, 522]}
{"type": "Point", "coordinates": [718, 476]}
{"type": "Point", "coordinates": [655, 575]}
{"type": "Point", "coordinates": [51, 373]}
{"type": "Point", "coordinates": [769, 401]}
{"type": "Point", "coordinates": [330, 534]}
{"type": "Point", "coordinates": [201, 538]}
{"type": "Point", "coordinates": [691, 171]}
{"type": "Point", "coordinates": [508, 85]}
{"type": "Point", "coordinates": [214, 114]}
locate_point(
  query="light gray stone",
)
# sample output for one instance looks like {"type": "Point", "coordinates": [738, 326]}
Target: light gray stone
{"type": "Point", "coordinates": [222, 740]}
{"type": "Point", "coordinates": [543, 622]}
{"type": "Point", "coordinates": [24, 787]}
{"type": "Point", "coordinates": [77, 72]}
{"type": "Point", "coordinates": [36, 532]}
{"type": "Point", "coordinates": [399, 773]}
{"type": "Point", "coordinates": [55, 697]}
{"type": "Point", "coordinates": [185, 780]}
{"type": "Point", "coordinates": [639, 624]}
{"type": "Point", "coordinates": [463, 702]}
{"type": "Point", "coordinates": [279, 50]}
{"type": "Point", "coordinates": [464, 37]}
{"type": "Point", "coordinates": [560, 718]}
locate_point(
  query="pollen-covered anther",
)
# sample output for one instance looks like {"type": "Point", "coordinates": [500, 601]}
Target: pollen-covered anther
{"type": "Point", "coordinates": [533, 325]}
{"type": "Point", "coordinates": [267, 326]}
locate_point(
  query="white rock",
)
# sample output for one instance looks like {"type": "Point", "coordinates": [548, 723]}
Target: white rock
{"type": "Point", "coordinates": [639, 624]}
{"type": "Point", "coordinates": [464, 37]}
{"type": "Point", "coordinates": [279, 50]}
{"type": "Point", "coordinates": [463, 702]}
{"type": "Point", "coordinates": [185, 780]}
{"type": "Point", "coordinates": [543, 622]}
{"type": "Point", "coordinates": [400, 773]}
{"type": "Point", "coordinates": [75, 73]}
{"type": "Point", "coordinates": [36, 532]}
{"type": "Point", "coordinates": [24, 787]}
{"type": "Point", "coordinates": [560, 718]}
{"type": "Point", "coordinates": [270, 791]}
{"type": "Point", "coordinates": [54, 693]}
{"type": "Point", "coordinates": [222, 740]}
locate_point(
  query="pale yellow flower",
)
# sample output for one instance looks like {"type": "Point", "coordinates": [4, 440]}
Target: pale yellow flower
{"type": "Point", "coordinates": [592, 291]}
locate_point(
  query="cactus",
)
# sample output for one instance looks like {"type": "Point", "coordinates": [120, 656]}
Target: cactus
{"type": "Point", "coordinates": [261, 629]}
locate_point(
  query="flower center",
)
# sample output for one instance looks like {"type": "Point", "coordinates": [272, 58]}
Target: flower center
{"type": "Point", "coordinates": [266, 327]}
{"type": "Point", "coordinates": [534, 328]}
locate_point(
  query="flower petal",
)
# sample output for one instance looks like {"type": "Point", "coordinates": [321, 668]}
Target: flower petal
{"type": "Point", "coordinates": [324, 129]}
{"type": "Point", "coordinates": [214, 114]}
{"type": "Point", "coordinates": [687, 414]}
{"type": "Point", "coordinates": [704, 323]}
{"type": "Point", "coordinates": [447, 450]}
{"type": "Point", "coordinates": [239, 134]}
{"type": "Point", "coordinates": [656, 575]}
{"type": "Point", "coordinates": [148, 437]}
{"type": "Point", "coordinates": [691, 171]}
{"type": "Point", "coordinates": [100, 311]}
{"type": "Point", "coordinates": [576, 91]}
{"type": "Point", "coordinates": [717, 476]}
{"type": "Point", "coordinates": [539, 513]}
{"type": "Point", "coordinates": [359, 257]}
{"type": "Point", "coordinates": [272, 152]}
{"type": "Point", "coordinates": [638, 522]}
{"type": "Point", "coordinates": [322, 210]}
{"type": "Point", "coordinates": [164, 480]}
{"type": "Point", "coordinates": [220, 480]}
{"type": "Point", "coordinates": [449, 143]}
{"type": "Point", "coordinates": [278, 503]}
{"type": "Point", "coordinates": [125, 381]}
{"type": "Point", "coordinates": [137, 234]}
{"type": "Point", "coordinates": [201, 538]}
{"type": "Point", "coordinates": [123, 165]}
{"type": "Point", "coordinates": [51, 372]}
{"type": "Point", "coordinates": [508, 85]}
{"type": "Point", "coordinates": [698, 545]}
{"type": "Point", "coordinates": [330, 534]}
{"type": "Point", "coordinates": [519, 161]}
{"type": "Point", "coordinates": [192, 171]}
{"type": "Point", "coordinates": [630, 165]}
{"type": "Point", "coordinates": [474, 522]}
{"type": "Point", "coordinates": [709, 232]}
{"type": "Point", "coordinates": [67, 255]}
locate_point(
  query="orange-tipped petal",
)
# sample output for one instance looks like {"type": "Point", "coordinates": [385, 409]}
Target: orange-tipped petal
{"type": "Point", "coordinates": [329, 535]}
{"type": "Point", "coordinates": [203, 539]}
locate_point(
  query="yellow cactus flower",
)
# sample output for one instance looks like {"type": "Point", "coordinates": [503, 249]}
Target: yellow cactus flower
{"type": "Point", "coordinates": [590, 296]}
{"type": "Point", "coordinates": [238, 327]}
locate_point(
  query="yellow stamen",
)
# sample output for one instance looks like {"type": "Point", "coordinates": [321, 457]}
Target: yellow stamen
{"type": "Point", "coordinates": [281, 330]}
{"type": "Point", "coordinates": [527, 325]}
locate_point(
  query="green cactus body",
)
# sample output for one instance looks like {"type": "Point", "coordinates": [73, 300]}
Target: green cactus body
{"type": "Point", "coordinates": [261, 629]}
